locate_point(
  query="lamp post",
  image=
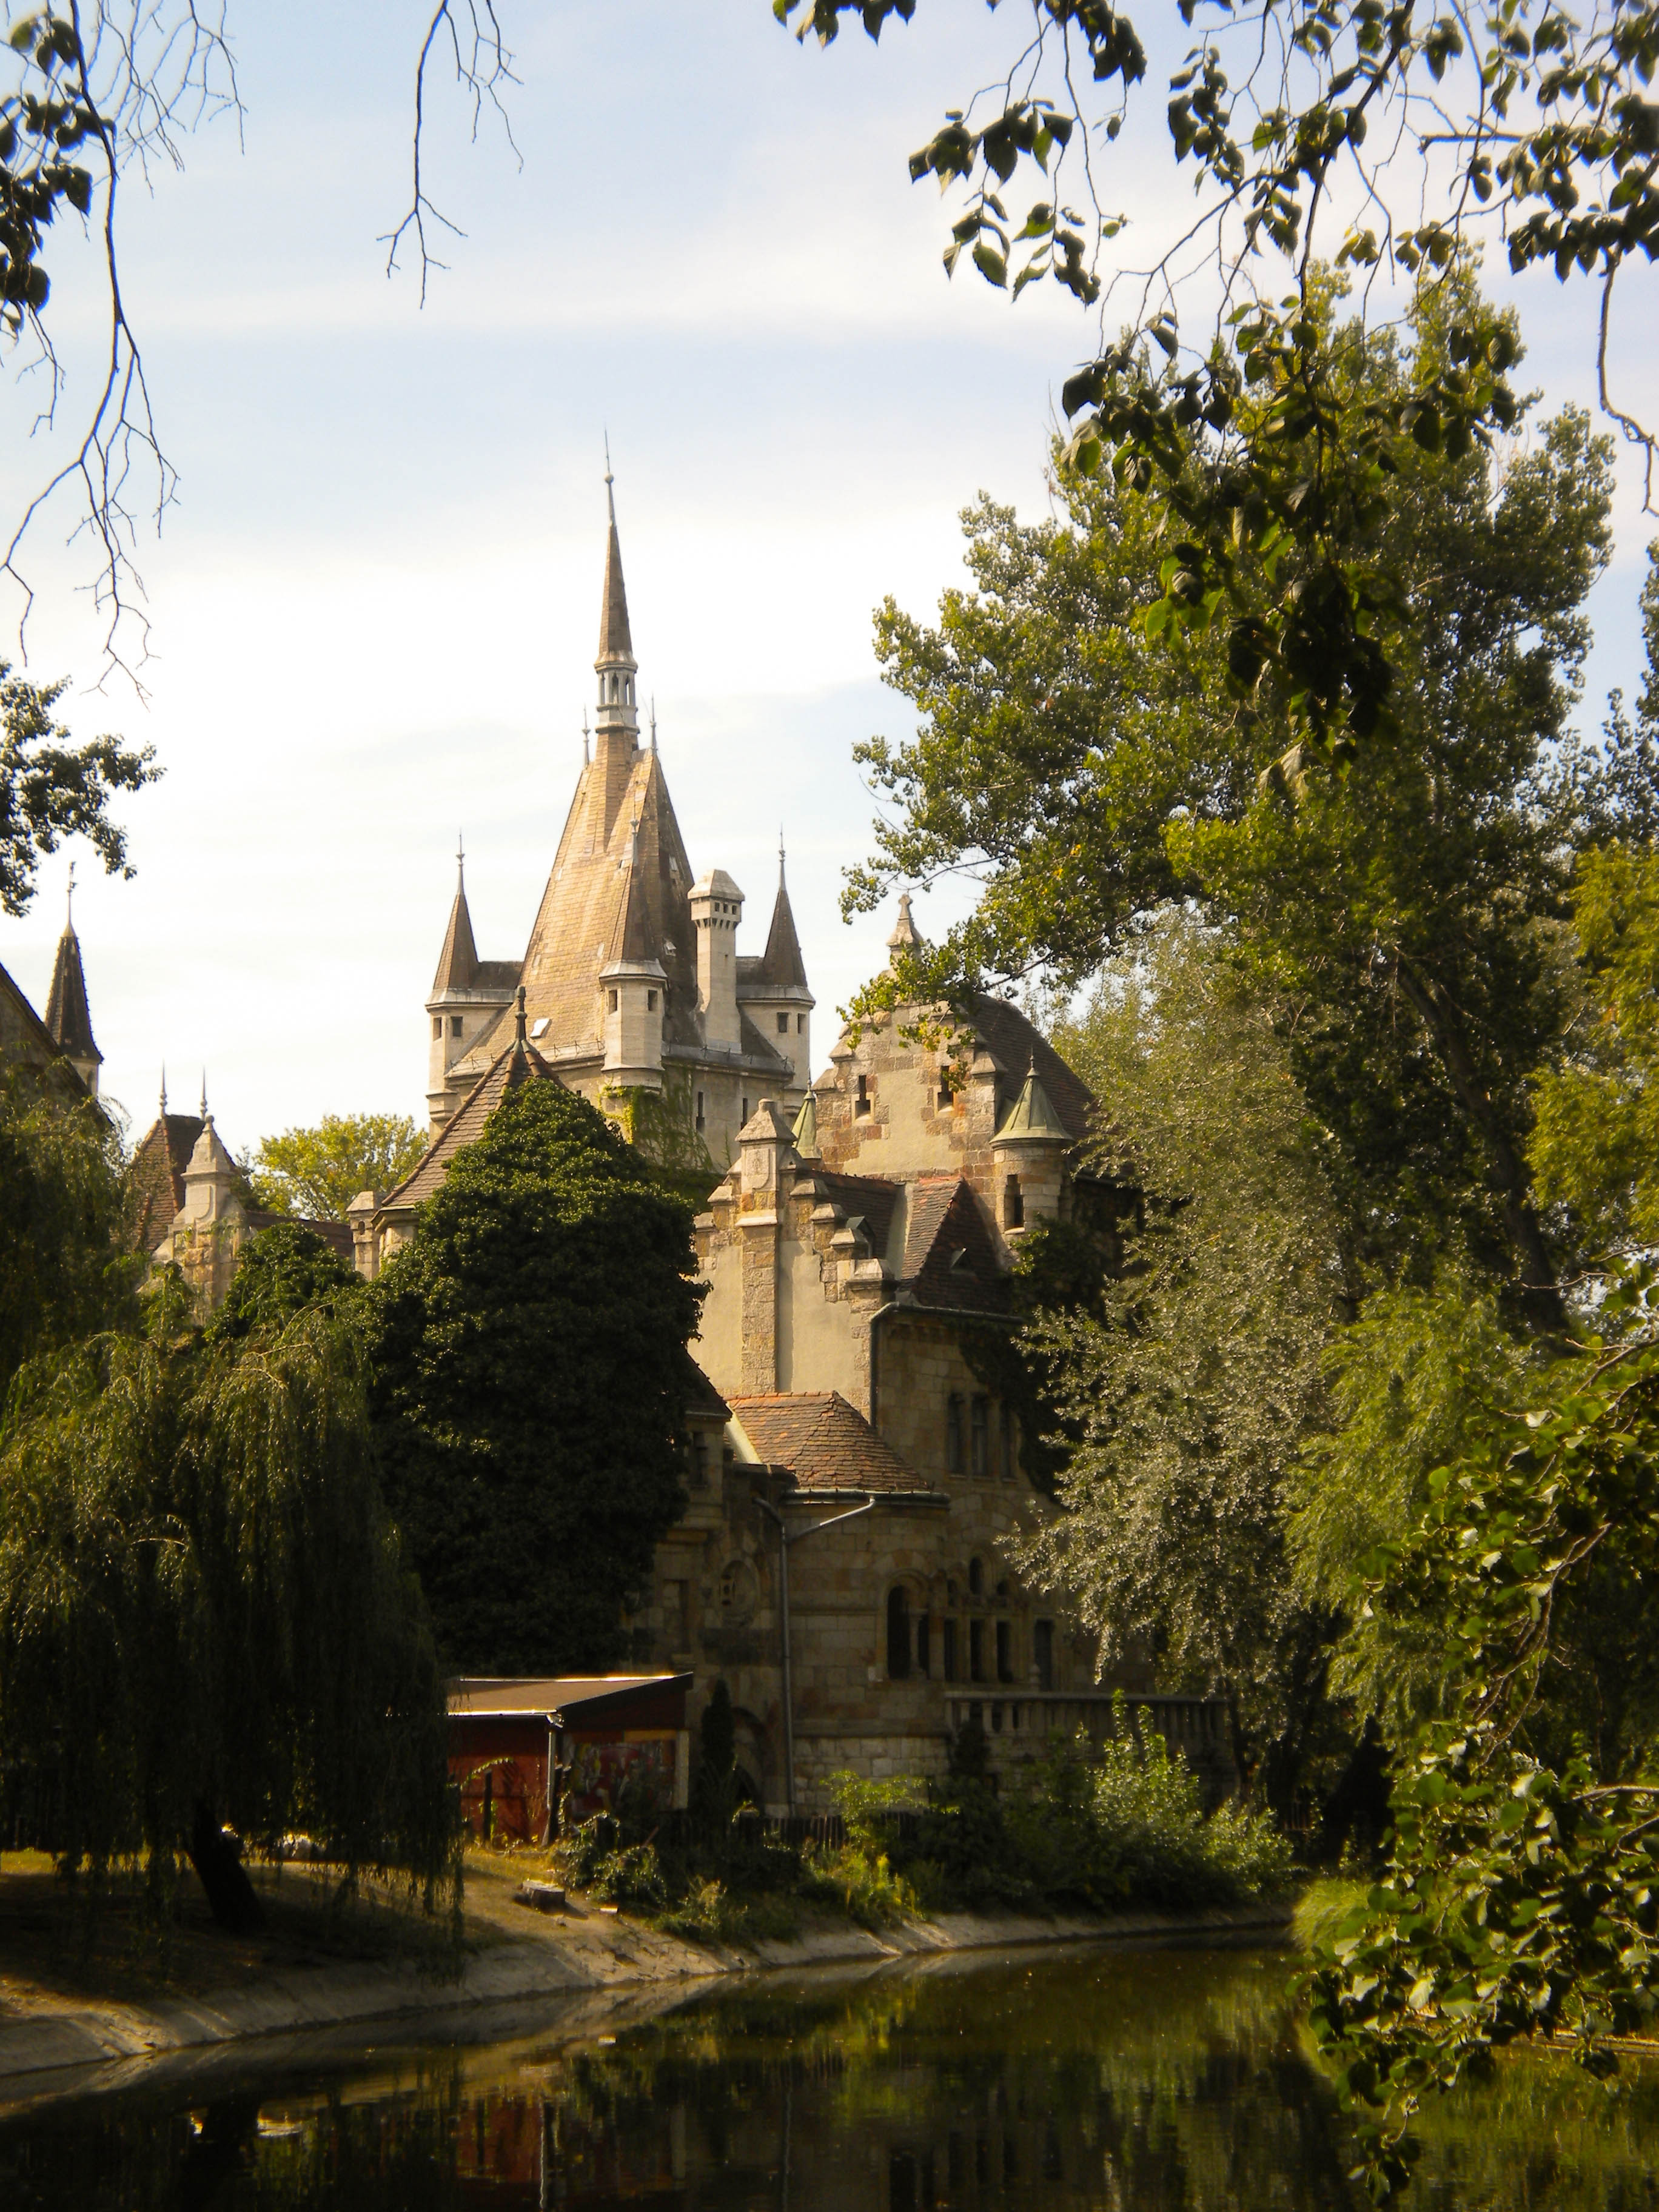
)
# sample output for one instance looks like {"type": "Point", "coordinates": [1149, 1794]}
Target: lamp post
{"type": "Point", "coordinates": [786, 1536]}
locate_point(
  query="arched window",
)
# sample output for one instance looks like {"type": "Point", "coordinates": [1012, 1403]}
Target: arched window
{"type": "Point", "coordinates": [898, 1634]}
{"type": "Point", "coordinates": [975, 1578]}
{"type": "Point", "coordinates": [980, 1458]}
{"type": "Point", "coordinates": [924, 1644]}
{"type": "Point", "coordinates": [1042, 1652]}
{"type": "Point", "coordinates": [1013, 1204]}
{"type": "Point", "coordinates": [1005, 1651]}
{"type": "Point", "coordinates": [954, 1456]}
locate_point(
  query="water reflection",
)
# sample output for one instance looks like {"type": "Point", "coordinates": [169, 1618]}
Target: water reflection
{"type": "Point", "coordinates": [1162, 2081]}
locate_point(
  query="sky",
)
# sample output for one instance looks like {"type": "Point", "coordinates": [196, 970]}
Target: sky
{"type": "Point", "coordinates": [374, 602]}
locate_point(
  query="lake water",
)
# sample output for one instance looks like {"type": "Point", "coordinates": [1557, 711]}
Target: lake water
{"type": "Point", "coordinates": [1155, 2081]}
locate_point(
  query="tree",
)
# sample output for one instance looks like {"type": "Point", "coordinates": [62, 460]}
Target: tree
{"type": "Point", "coordinates": [51, 788]}
{"type": "Point", "coordinates": [318, 1172]}
{"type": "Point", "coordinates": [64, 1271]}
{"type": "Point", "coordinates": [1188, 1385]}
{"type": "Point", "coordinates": [1247, 442]}
{"type": "Point", "coordinates": [204, 1612]}
{"type": "Point", "coordinates": [528, 1354]}
{"type": "Point", "coordinates": [1406, 910]}
{"type": "Point", "coordinates": [1595, 1143]}
{"type": "Point", "coordinates": [1518, 1898]}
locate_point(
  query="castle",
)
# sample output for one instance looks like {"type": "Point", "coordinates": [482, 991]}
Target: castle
{"type": "Point", "coordinates": [854, 1485]}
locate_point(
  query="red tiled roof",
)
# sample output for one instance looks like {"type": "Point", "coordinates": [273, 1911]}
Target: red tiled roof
{"type": "Point", "coordinates": [825, 1444]}
{"type": "Point", "coordinates": [949, 1258]}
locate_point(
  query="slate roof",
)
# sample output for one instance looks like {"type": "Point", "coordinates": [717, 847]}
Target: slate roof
{"type": "Point", "coordinates": [26, 1042]}
{"type": "Point", "coordinates": [949, 1259]}
{"type": "Point", "coordinates": [67, 1016]}
{"type": "Point", "coordinates": [520, 1063]}
{"type": "Point", "coordinates": [155, 1181]}
{"type": "Point", "coordinates": [869, 1195]}
{"type": "Point", "coordinates": [825, 1444]}
{"type": "Point", "coordinates": [1015, 1043]}
{"type": "Point", "coordinates": [781, 964]}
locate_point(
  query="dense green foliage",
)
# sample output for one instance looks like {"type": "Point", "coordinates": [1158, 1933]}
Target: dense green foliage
{"type": "Point", "coordinates": [318, 1172]}
{"type": "Point", "coordinates": [1185, 1386]}
{"type": "Point", "coordinates": [64, 1273]}
{"type": "Point", "coordinates": [527, 1352]}
{"type": "Point", "coordinates": [1405, 909]}
{"type": "Point", "coordinates": [282, 1271]}
{"type": "Point", "coordinates": [203, 1614]}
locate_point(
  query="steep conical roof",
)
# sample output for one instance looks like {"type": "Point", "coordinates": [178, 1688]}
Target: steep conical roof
{"type": "Point", "coordinates": [1032, 1115]}
{"type": "Point", "coordinates": [66, 1014]}
{"type": "Point", "coordinates": [458, 963]}
{"type": "Point", "coordinates": [806, 1131]}
{"type": "Point", "coordinates": [636, 942]}
{"type": "Point", "coordinates": [782, 964]}
{"type": "Point", "coordinates": [615, 642]}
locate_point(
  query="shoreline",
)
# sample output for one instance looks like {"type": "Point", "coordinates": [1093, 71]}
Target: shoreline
{"type": "Point", "coordinates": [586, 1970]}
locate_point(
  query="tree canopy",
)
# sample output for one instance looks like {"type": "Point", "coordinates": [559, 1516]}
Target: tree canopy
{"type": "Point", "coordinates": [204, 1612]}
{"type": "Point", "coordinates": [65, 1271]}
{"type": "Point", "coordinates": [1408, 908]}
{"type": "Point", "coordinates": [318, 1172]}
{"type": "Point", "coordinates": [529, 1364]}
{"type": "Point", "coordinates": [51, 788]}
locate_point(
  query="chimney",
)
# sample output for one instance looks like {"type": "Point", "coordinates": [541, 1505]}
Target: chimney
{"type": "Point", "coordinates": [716, 910]}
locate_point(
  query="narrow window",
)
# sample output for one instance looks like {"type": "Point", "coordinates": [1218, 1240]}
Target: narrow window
{"type": "Point", "coordinates": [699, 1460]}
{"type": "Point", "coordinates": [1007, 1454]}
{"type": "Point", "coordinates": [981, 1437]}
{"type": "Point", "coordinates": [651, 1002]}
{"type": "Point", "coordinates": [977, 1652]}
{"type": "Point", "coordinates": [975, 1578]}
{"type": "Point", "coordinates": [454, 1025]}
{"type": "Point", "coordinates": [745, 1111]}
{"type": "Point", "coordinates": [953, 1460]}
{"type": "Point", "coordinates": [898, 1634]}
{"type": "Point", "coordinates": [437, 1025]}
{"type": "Point", "coordinates": [862, 1103]}
{"type": "Point", "coordinates": [948, 1652]}
{"type": "Point", "coordinates": [613, 1002]}
{"type": "Point", "coordinates": [783, 1024]}
{"type": "Point", "coordinates": [801, 1025]}
{"type": "Point", "coordinates": [924, 1644]}
{"type": "Point", "coordinates": [1013, 1204]}
{"type": "Point", "coordinates": [1005, 1651]}
{"type": "Point", "coordinates": [699, 1109]}
{"type": "Point", "coordinates": [1042, 1651]}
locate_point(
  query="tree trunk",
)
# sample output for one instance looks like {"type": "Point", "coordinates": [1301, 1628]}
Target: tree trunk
{"type": "Point", "coordinates": [1508, 1174]}
{"type": "Point", "coordinates": [217, 1859]}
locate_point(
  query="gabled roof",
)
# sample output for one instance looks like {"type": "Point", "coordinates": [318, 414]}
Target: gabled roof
{"type": "Point", "coordinates": [26, 1042]}
{"type": "Point", "coordinates": [520, 1063]}
{"type": "Point", "coordinates": [825, 1444]}
{"type": "Point", "coordinates": [68, 1017]}
{"type": "Point", "coordinates": [949, 1259]}
{"type": "Point", "coordinates": [156, 1180]}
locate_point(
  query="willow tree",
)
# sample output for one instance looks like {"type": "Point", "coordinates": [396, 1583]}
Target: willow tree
{"type": "Point", "coordinates": [204, 1615]}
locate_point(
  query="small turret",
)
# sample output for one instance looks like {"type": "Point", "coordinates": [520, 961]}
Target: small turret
{"type": "Point", "coordinates": [467, 995]}
{"type": "Point", "coordinates": [616, 724]}
{"type": "Point", "coordinates": [1029, 1148]}
{"type": "Point", "coordinates": [68, 1017]}
{"type": "Point", "coordinates": [774, 993]}
{"type": "Point", "coordinates": [716, 910]}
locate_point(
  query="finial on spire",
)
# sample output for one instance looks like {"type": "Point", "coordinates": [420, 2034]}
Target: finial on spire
{"type": "Point", "coordinates": [653, 721]}
{"type": "Point", "coordinates": [519, 1020]}
{"type": "Point", "coordinates": [69, 902]}
{"type": "Point", "coordinates": [780, 856]}
{"type": "Point", "coordinates": [164, 1091]}
{"type": "Point", "coordinates": [460, 857]}
{"type": "Point", "coordinates": [585, 735]}
{"type": "Point", "coordinates": [206, 1116]}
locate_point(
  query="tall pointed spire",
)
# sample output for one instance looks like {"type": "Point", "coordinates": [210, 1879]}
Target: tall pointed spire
{"type": "Point", "coordinates": [783, 962]}
{"type": "Point", "coordinates": [616, 642]}
{"type": "Point", "coordinates": [458, 963]}
{"type": "Point", "coordinates": [67, 1016]}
